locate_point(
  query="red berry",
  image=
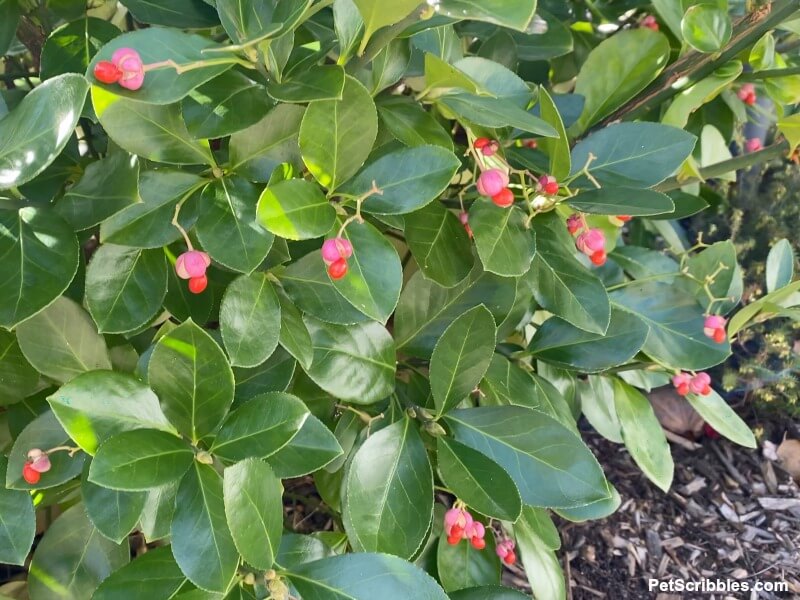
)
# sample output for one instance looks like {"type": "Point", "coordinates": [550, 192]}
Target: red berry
{"type": "Point", "coordinates": [510, 558]}
{"type": "Point", "coordinates": [478, 543]}
{"type": "Point", "coordinates": [198, 284]}
{"type": "Point", "coordinates": [531, 144]}
{"type": "Point", "coordinates": [30, 474]}
{"type": "Point", "coordinates": [453, 539]}
{"type": "Point", "coordinates": [683, 389]}
{"type": "Point", "coordinates": [551, 188]}
{"type": "Point", "coordinates": [338, 269]}
{"type": "Point", "coordinates": [624, 218]}
{"type": "Point", "coordinates": [598, 258]}
{"type": "Point", "coordinates": [719, 335]}
{"type": "Point", "coordinates": [107, 72]}
{"type": "Point", "coordinates": [482, 142]}
{"type": "Point", "coordinates": [710, 432]}
{"type": "Point", "coordinates": [504, 198]}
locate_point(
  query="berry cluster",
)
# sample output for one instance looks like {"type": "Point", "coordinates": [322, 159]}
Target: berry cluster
{"type": "Point", "coordinates": [747, 94]}
{"type": "Point", "coordinates": [486, 146]}
{"type": "Point", "coordinates": [592, 242]}
{"type": "Point", "coordinates": [192, 265]}
{"type": "Point", "coordinates": [494, 183]}
{"type": "Point", "coordinates": [505, 550]}
{"type": "Point", "coordinates": [686, 383]}
{"type": "Point", "coordinates": [714, 327]}
{"type": "Point", "coordinates": [650, 22]}
{"type": "Point", "coordinates": [459, 525]}
{"type": "Point", "coordinates": [335, 253]}
{"type": "Point", "coordinates": [38, 462]}
{"type": "Point", "coordinates": [125, 68]}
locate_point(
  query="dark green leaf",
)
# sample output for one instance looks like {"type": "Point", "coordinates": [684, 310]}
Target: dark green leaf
{"type": "Point", "coordinates": [439, 243]}
{"type": "Point", "coordinates": [201, 541]}
{"type": "Point", "coordinates": [125, 287]}
{"type": "Point", "coordinates": [562, 344]}
{"type": "Point", "coordinates": [389, 492]}
{"type": "Point", "coordinates": [295, 209]}
{"type": "Point", "coordinates": [35, 132]}
{"type": "Point", "coordinates": [70, 47]}
{"type": "Point", "coordinates": [461, 357]}
{"type": "Point", "coordinates": [477, 480]}
{"type": "Point", "coordinates": [622, 201]}
{"type": "Point", "coordinates": [260, 427]}
{"type": "Point", "coordinates": [154, 574]}
{"type": "Point", "coordinates": [174, 13]}
{"type": "Point", "coordinates": [113, 513]}
{"type": "Point", "coordinates": [274, 375]}
{"type": "Point", "coordinates": [97, 405]}
{"type": "Point", "coordinates": [411, 124]}
{"type": "Point", "coordinates": [336, 136]}
{"type": "Point", "coordinates": [157, 513]}
{"type": "Point", "coordinates": [40, 257]}
{"type": "Point", "coordinates": [461, 566]}
{"type": "Point", "coordinates": [557, 149]}
{"type": "Point", "coordinates": [250, 320]}
{"type": "Point", "coordinates": [355, 363]}
{"type": "Point", "coordinates": [324, 82]}
{"type": "Point", "coordinates": [313, 448]}
{"type": "Point", "coordinates": [62, 342]}
{"type": "Point", "coordinates": [505, 244]}
{"type": "Point", "coordinates": [408, 178]}
{"type": "Point", "coordinates": [294, 336]}
{"type": "Point", "coordinates": [551, 465]}
{"type": "Point", "coordinates": [139, 460]}
{"type": "Point", "coordinates": [17, 522]}
{"type": "Point", "coordinates": [299, 549]}
{"type": "Point", "coordinates": [18, 379]}
{"type": "Point", "coordinates": [496, 112]}
{"type": "Point", "coordinates": [10, 11]}
{"type": "Point", "coordinates": [72, 559]}
{"type": "Point", "coordinates": [190, 374]}
{"type": "Point", "coordinates": [254, 510]}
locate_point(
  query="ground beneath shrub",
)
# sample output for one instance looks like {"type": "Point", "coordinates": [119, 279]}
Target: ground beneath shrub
{"type": "Point", "coordinates": [731, 514]}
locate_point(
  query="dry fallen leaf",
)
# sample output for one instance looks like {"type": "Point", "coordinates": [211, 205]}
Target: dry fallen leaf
{"type": "Point", "coordinates": [675, 413]}
{"type": "Point", "coordinates": [789, 455]}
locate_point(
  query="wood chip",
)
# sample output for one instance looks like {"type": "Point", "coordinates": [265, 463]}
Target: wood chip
{"type": "Point", "coordinates": [779, 503]}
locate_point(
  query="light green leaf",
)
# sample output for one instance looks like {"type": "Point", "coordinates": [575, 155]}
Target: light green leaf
{"type": "Point", "coordinates": [716, 411]}
{"type": "Point", "coordinates": [514, 15]}
{"type": "Point", "coordinates": [377, 14]}
{"type": "Point", "coordinates": [706, 27]}
{"type": "Point", "coordinates": [496, 112]}
{"type": "Point", "coordinates": [557, 149]}
{"type": "Point", "coordinates": [295, 209]}
{"type": "Point", "coordinates": [540, 562]}
{"type": "Point", "coordinates": [780, 265]}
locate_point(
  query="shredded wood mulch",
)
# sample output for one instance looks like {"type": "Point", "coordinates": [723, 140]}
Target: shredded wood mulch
{"type": "Point", "coordinates": [731, 514]}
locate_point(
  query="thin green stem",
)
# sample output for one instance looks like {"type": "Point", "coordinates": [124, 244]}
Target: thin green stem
{"type": "Point", "coordinates": [769, 74]}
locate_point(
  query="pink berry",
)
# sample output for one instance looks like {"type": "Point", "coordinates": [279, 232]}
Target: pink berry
{"type": "Point", "coordinates": [128, 61]}
{"type": "Point", "coordinates": [747, 94]}
{"type": "Point", "coordinates": [574, 223]}
{"type": "Point", "coordinates": [650, 22]}
{"type": "Point", "coordinates": [336, 248]}
{"type": "Point", "coordinates": [486, 146]}
{"type": "Point", "coordinates": [714, 327]}
{"type": "Point", "coordinates": [192, 264]}
{"type": "Point", "coordinates": [700, 384]}
{"type": "Point", "coordinates": [753, 145]}
{"type": "Point", "coordinates": [39, 460]}
{"type": "Point", "coordinates": [591, 241]}
{"type": "Point", "coordinates": [492, 182]}
{"type": "Point", "coordinates": [681, 382]}
{"type": "Point", "coordinates": [451, 517]}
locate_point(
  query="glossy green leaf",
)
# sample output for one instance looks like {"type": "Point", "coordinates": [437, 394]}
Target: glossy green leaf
{"type": "Point", "coordinates": [461, 566]}
{"type": "Point", "coordinates": [426, 308]}
{"type": "Point", "coordinates": [780, 265]}
{"type": "Point", "coordinates": [294, 336]}
{"type": "Point", "coordinates": [541, 564]}
{"type": "Point", "coordinates": [514, 15]}
{"type": "Point", "coordinates": [18, 378]}
{"type": "Point", "coordinates": [273, 375]}
{"type": "Point", "coordinates": [227, 226]}
{"type": "Point", "coordinates": [254, 509]}
{"type": "Point", "coordinates": [157, 513]}
{"type": "Point", "coordinates": [62, 342]}
{"type": "Point", "coordinates": [154, 574]}
{"type": "Point", "coordinates": [190, 375]}
{"type": "Point", "coordinates": [560, 283]}
{"type": "Point", "coordinates": [496, 112]}
{"type": "Point", "coordinates": [307, 283]}
{"type": "Point", "coordinates": [35, 132]}
{"type": "Point", "coordinates": [41, 257]}
{"type": "Point", "coordinates": [718, 413]}
{"type": "Point", "coordinates": [706, 27]}
{"type": "Point", "coordinates": [375, 275]}
{"type": "Point", "coordinates": [439, 244]}
{"type": "Point", "coordinates": [644, 438]}
{"type": "Point", "coordinates": [597, 405]}
{"type": "Point", "coordinates": [125, 287]}
{"type": "Point", "coordinates": [556, 41]}
{"type": "Point", "coordinates": [201, 540]}
{"type": "Point", "coordinates": [411, 124]}
{"type": "Point", "coordinates": [336, 136]}
{"type": "Point", "coordinates": [676, 337]}
{"type": "Point", "coordinates": [596, 510]}
{"type": "Point", "coordinates": [11, 12]}
{"type": "Point", "coordinates": [256, 151]}
{"type": "Point", "coordinates": [325, 82]}
{"type": "Point", "coordinates": [477, 480]}
{"type": "Point", "coordinates": [97, 405]}
{"type": "Point", "coordinates": [148, 224]}
{"type": "Point", "coordinates": [311, 449]}
{"type": "Point", "coordinates": [505, 244]}
{"type": "Point", "coordinates": [42, 432]}
{"type": "Point", "coordinates": [174, 13]}
{"type": "Point", "coordinates": [260, 427]}
{"type": "Point", "coordinates": [157, 44]}
{"type": "Point", "coordinates": [355, 363]}
{"type": "Point", "coordinates": [408, 178]}
{"type": "Point", "coordinates": [388, 503]}
{"type": "Point", "coordinates": [638, 155]}
{"type": "Point", "coordinates": [622, 201]}
{"type": "Point", "coordinates": [615, 71]}
{"type": "Point", "coordinates": [343, 577]}
{"type": "Point", "coordinates": [250, 320]}
{"type": "Point", "coordinates": [140, 460]}
{"type": "Point", "coordinates": [389, 66]}
{"type": "Point", "coordinates": [378, 14]}
{"type": "Point", "coordinates": [551, 465]}
{"type": "Point", "coordinates": [153, 131]}
{"type": "Point", "coordinates": [228, 103]}
{"type": "Point", "coordinates": [70, 47]}
{"type": "Point", "coordinates": [113, 513]}
{"type": "Point", "coordinates": [72, 559]}
{"type": "Point", "coordinates": [183, 304]}
{"type": "Point", "coordinates": [107, 186]}
{"type": "Point", "coordinates": [18, 522]}
{"type": "Point", "coordinates": [461, 357]}
{"type": "Point", "coordinates": [557, 149]}
{"type": "Point", "coordinates": [295, 209]}
{"type": "Point", "coordinates": [560, 343]}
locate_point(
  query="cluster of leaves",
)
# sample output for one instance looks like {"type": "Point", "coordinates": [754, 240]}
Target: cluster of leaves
{"type": "Point", "coordinates": [456, 372]}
